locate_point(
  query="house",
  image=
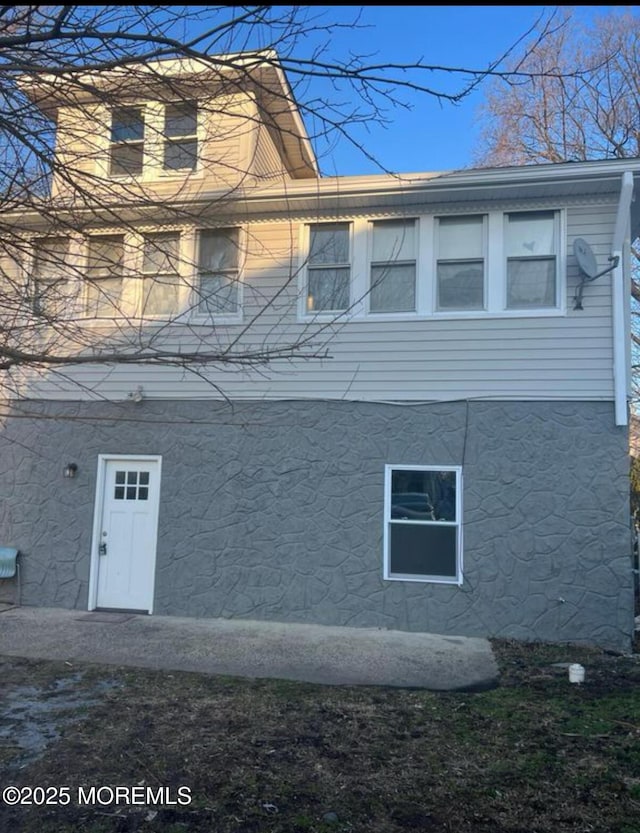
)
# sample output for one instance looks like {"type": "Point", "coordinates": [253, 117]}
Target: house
{"type": "Point", "coordinates": [439, 438]}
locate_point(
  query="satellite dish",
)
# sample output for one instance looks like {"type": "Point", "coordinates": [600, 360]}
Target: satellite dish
{"type": "Point", "coordinates": [588, 266]}
{"type": "Point", "coordinates": [585, 257]}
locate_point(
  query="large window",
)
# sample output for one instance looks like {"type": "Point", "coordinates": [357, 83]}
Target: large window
{"type": "Point", "coordinates": [328, 270]}
{"type": "Point", "coordinates": [422, 534]}
{"type": "Point", "coordinates": [180, 132]}
{"type": "Point", "coordinates": [460, 258]}
{"type": "Point", "coordinates": [218, 278]}
{"type": "Point", "coordinates": [393, 267]}
{"type": "Point", "coordinates": [171, 131]}
{"type": "Point", "coordinates": [50, 265]}
{"type": "Point", "coordinates": [531, 250]}
{"type": "Point", "coordinates": [104, 277]}
{"type": "Point", "coordinates": [161, 281]}
{"type": "Point", "coordinates": [127, 141]}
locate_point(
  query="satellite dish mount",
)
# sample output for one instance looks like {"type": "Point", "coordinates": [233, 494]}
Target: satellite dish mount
{"type": "Point", "coordinates": [589, 267]}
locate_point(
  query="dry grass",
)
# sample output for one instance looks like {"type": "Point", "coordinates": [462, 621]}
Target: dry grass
{"type": "Point", "coordinates": [536, 754]}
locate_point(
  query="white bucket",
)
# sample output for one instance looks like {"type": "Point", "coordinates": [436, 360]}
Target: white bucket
{"type": "Point", "coordinates": [576, 673]}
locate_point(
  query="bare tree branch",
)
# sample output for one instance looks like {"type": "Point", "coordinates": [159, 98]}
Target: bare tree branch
{"type": "Point", "coordinates": [560, 116]}
{"type": "Point", "coordinates": [100, 262]}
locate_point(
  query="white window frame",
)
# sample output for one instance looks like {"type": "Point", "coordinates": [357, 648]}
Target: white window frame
{"type": "Point", "coordinates": [84, 300]}
{"type": "Point", "coordinates": [436, 260]}
{"type": "Point", "coordinates": [143, 276]}
{"type": "Point", "coordinates": [424, 579]}
{"type": "Point", "coordinates": [60, 280]}
{"type": "Point", "coordinates": [559, 236]}
{"type": "Point", "coordinates": [16, 279]}
{"type": "Point", "coordinates": [383, 314]}
{"type": "Point", "coordinates": [153, 114]}
{"type": "Point", "coordinates": [495, 269]}
{"type": "Point", "coordinates": [111, 144]}
{"type": "Point", "coordinates": [199, 317]}
{"type": "Point", "coordinates": [133, 276]}
{"type": "Point", "coordinates": [168, 140]}
{"type": "Point", "coordinates": [304, 244]}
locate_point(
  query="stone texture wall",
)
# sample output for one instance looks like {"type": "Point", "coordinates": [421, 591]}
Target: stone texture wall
{"type": "Point", "coordinates": [274, 511]}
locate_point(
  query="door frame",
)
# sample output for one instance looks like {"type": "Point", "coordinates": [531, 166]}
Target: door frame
{"type": "Point", "coordinates": [98, 509]}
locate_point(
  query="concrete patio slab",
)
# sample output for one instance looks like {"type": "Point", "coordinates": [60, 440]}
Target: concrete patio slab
{"type": "Point", "coordinates": [308, 653]}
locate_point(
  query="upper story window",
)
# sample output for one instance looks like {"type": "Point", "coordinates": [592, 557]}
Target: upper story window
{"type": "Point", "coordinates": [328, 269]}
{"type": "Point", "coordinates": [218, 273]}
{"type": "Point", "coordinates": [180, 135]}
{"type": "Point", "coordinates": [161, 278]}
{"type": "Point", "coordinates": [104, 276]}
{"type": "Point", "coordinates": [12, 296]}
{"type": "Point", "coordinates": [460, 263]}
{"type": "Point", "coordinates": [135, 274]}
{"type": "Point", "coordinates": [531, 251]}
{"type": "Point", "coordinates": [153, 138]}
{"type": "Point", "coordinates": [127, 141]}
{"type": "Point", "coordinates": [50, 267]}
{"type": "Point", "coordinates": [393, 267]}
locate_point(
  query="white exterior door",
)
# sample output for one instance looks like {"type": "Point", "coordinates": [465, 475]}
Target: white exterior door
{"type": "Point", "coordinates": [126, 520]}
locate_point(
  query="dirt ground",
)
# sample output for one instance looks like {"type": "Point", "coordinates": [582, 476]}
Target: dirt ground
{"type": "Point", "coordinates": [197, 753]}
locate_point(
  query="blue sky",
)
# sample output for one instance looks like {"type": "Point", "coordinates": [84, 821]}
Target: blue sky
{"type": "Point", "coordinates": [431, 136]}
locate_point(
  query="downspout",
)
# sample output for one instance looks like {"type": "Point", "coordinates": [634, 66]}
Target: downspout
{"type": "Point", "coordinates": [619, 300]}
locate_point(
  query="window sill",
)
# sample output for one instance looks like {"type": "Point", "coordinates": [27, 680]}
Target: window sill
{"type": "Point", "coordinates": [183, 319]}
{"type": "Point", "coordinates": [326, 316]}
{"type": "Point", "coordinates": [455, 582]}
{"type": "Point", "coordinates": [180, 173]}
{"type": "Point", "coordinates": [550, 312]}
{"type": "Point", "coordinates": [135, 321]}
{"type": "Point", "coordinates": [471, 315]}
{"type": "Point", "coordinates": [156, 175]}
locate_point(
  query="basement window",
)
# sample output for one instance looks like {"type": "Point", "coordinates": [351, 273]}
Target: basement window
{"type": "Point", "coordinates": [422, 525]}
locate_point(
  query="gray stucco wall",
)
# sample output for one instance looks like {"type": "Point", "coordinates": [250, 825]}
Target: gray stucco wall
{"type": "Point", "coordinates": [274, 511]}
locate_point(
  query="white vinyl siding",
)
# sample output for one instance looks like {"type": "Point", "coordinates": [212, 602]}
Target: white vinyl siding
{"type": "Point", "coordinates": [562, 354]}
{"type": "Point", "coordinates": [265, 162]}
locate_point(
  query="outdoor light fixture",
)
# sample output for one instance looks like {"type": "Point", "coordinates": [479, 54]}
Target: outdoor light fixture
{"type": "Point", "coordinates": [70, 470]}
{"type": "Point", "coordinates": [136, 395]}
